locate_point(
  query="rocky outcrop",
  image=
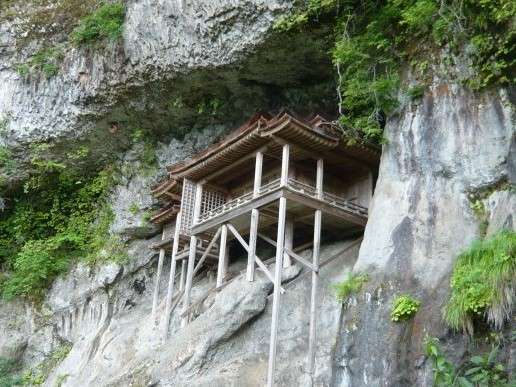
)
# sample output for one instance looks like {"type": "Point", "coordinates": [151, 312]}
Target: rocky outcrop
{"type": "Point", "coordinates": [174, 69]}
{"type": "Point", "coordinates": [440, 151]}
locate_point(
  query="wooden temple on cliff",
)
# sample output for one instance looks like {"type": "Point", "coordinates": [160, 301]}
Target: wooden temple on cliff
{"type": "Point", "coordinates": [278, 178]}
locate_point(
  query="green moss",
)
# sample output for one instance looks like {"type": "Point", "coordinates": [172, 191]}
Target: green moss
{"type": "Point", "coordinates": [404, 307]}
{"type": "Point", "coordinates": [351, 285]}
{"type": "Point", "coordinates": [483, 283]}
{"type": "Point", "coordinates": [374, 39]}
{"type": "Point", "coordinates": [105, 23]}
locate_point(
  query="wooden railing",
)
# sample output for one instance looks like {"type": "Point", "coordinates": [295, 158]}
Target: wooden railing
{"type": "Point", "coordinates": [292, 184]}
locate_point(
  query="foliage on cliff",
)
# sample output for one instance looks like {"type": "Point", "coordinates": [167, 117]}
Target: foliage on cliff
{"type": "Point", "coordinates": [483, 283]}
{"type": "Point", "coordinates": [375, 39]}
{"type": "Point", "coordinates": [59, 216]}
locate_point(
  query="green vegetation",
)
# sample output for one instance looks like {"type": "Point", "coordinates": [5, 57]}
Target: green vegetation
{"type": "Point", "coordinates": [60, 216]}
{"type": "Point", "coordinates": [8, 373]}
{"type": "Point", "coordinates": [38, 375]}
{"type": "Point", "coordinates": [351, 285]}
{"type": "Point", "coordinates": [483, 370]}
{"type": "Point", "coordinates": [404, 307]}
{"type": "Point", "coordinates": [483, 283]}
{"type": "Point", "coordinates": [375, 39]}
{"type": "Point", "coordinates": [45, 61]}
{"type": "Point", "coordinates": [105, 23]}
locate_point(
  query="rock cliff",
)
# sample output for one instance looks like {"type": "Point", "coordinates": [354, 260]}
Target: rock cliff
{"type": "Point", "coordinates": [94, 326]}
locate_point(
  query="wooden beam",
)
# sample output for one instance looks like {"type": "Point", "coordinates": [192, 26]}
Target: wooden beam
{"type": "Point", "coordinates": [172, 275]}
{"type": "Point", "coordinates": [221, 269]}
{"type": "Point", "coordinates": [158, 277]}
{"type": "Point", "coordinates": [206, 252]}
{"type": "Point", "coordinates": [255, 215]}
{"type": "Point", "coordinates": [289, 240]}
{"type": "Point", "coordinates": [312, 337]}
{"type": "Point", "coordinates": [300, 259]}
{"type": "Point", "coordinates": [277, 285]}
{"type": "Point", "coordinates": [284, 164]}
{"type": "Point", "coordinates": [267, 239]}
{"type": "Point", "coordinates": [192, 252]}
{"type": "Point", "coordinates": [246, 247]}
{"type": "Point", "coordinates": [257, 174]}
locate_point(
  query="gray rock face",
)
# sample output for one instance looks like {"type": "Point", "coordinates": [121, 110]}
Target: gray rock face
{"type": "Point", "coordinates": [451, 144]}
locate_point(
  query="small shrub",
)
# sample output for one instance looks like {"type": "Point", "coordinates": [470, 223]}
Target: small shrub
{"type": "Point", "coordinates": [480, 370]}
{"type": "Point", "coordinates": [134, 208]}
{"type": "Point", "coordinates": [351, 285]}
{"type": "Point", "coordinates": [105, 23]}
{"type": "Point", "coordinates": [404, 307]}
{"type": "Point", "coordinates": [483, 283]}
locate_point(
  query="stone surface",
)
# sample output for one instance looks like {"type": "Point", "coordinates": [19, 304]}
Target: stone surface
{"type": "Point", "coordinates": [450, 144]}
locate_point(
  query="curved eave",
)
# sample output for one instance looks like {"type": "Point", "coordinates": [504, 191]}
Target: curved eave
{"type": "Point", "coordinates": [165, 215]}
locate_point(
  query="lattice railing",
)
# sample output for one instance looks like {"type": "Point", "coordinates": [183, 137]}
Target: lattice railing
{"type": "Point", "coordinates": [294, 185]}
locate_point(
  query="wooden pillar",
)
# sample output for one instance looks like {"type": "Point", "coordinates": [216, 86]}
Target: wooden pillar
{"type": "Point", "coordinates": [158, 277]}
{"type": "Point", "coordinates": [172, 275]}
{"type": "Point", "coordinates": [255, 215]}
{"type": "Point", "coordinates": [289, 241]}
{"type": "Point", "coordinates": [280, 244]}
{"type": "Point", "coordinates": [312, 339]}
{"type": "Point", "coordinates": [222, 267]}
{"type": "Point", "coordinates": [284, 165]}
{"type": "Point", "coordinates": [182, 279]}
{"type": "Point", "coordinates": [192, 253]}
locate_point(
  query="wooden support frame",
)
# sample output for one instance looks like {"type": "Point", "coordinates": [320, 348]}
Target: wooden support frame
{"type": "Point", "coordinates": [192, 253]}
{"type": "Point", "coordinates": [158, 277]}
{"type": "Point", "coordinates": [222, 266]}
{"type": "Point", "coordinates": [312, 336]}
{"type": "Point", "coordinates": [280, 240]}
{"type": "Point", "coordinates": [172, 275]}
{"type": "Point", "coordinates": [258, 261]}
{"type": "Point", "coordinates": [255, 216]}
{"type": "Point", "coordinates": [206, 252]}
{"type": "Point", "coordinates": [300, 259]}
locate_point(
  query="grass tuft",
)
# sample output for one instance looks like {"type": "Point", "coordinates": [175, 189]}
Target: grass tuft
{"type": "Point", "coordinates": [483, 283]}
{"type": "Point", "coordinates": [351, 285]}
{"type": "Point", "coordinates": [105, 23]}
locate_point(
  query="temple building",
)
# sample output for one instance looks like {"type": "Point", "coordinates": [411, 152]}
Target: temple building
{"type": "Point", "coordinates": [284, 180]}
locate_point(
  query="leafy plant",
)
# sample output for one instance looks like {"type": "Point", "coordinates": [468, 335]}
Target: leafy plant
{"type": "Point", "coordinates": [8, 370]}
{"type": "Point", "coordinates": [134, 208]}
{"type": "Point", "coordinates": [105, 23]}
{"type": "Point", "coordinates": [62, 218]}
{"type": "Point", "coordinates": [483, 283]}
{"type": "Point", "coordinates": [404, 307]}
{"type": "Point", "coordinates": [351, 285]}
{"type": "Point", "coordinates": [373, 39]}
{"type": "Point", "coordinates": [38, 375]}
{"type": "Point", "coordinates": [480, 370]}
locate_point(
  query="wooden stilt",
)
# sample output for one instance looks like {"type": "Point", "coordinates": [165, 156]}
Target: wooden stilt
{"type": "Point", "coordinates": [158, 277]}
{"type": "Point", "coordinates": [280, 243]}
{"type": "Point", "coordinates": [312, 339]}
{"type": "Point", "coordinates": [255, 214]}
{"type": "Point", "coordinates": [172, 275]}
{"type": "Point", "coordinates": [192, 253]}
{"type": "Point", "coordinates": [280, 240]}
{"type": "Point", "coordinates": [289, 241]}
{"type": "Point", "coordinates": [221, 269]}
{"type": "Point", "coordinates": [182, 279]}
